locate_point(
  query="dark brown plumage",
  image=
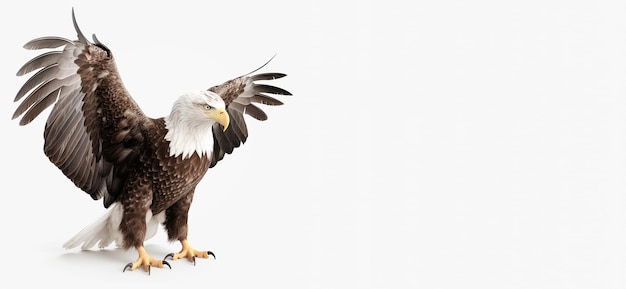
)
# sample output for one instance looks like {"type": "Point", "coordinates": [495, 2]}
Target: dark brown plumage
{"type": "Point", "coordinates": [102, 141]}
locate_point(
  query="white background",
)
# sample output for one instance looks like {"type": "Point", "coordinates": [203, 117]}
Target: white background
{"type": "Point", "coordinates": [441, 144]}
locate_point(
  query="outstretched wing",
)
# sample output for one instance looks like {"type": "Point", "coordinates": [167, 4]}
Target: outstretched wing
{"type": "Point", "coordinates": [95, 128]}
{"type": "Point", "coordinates": [240, 95]}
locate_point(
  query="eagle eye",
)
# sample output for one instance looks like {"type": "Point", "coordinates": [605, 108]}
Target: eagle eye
{"type": "Point", "coordinates": [207, 107]}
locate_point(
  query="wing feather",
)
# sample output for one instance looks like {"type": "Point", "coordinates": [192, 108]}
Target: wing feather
{"type": "Point", "coordinates": [34, 104]}
{"type": "Point", "coordinates": [37, 79]}
{"type": "Point", "coordinates": [47, 42]}
{"type": "Point", "coordinates": [239, 95]}
{"type": "Point", "coordinates": [267, 76]}
{"type": "Point", "coordinates": [270, 89]}
{"type": "Point", "coordinates": [265, 99]}
{"type": "Point", "coordinates": [41, 105]}
{"type": "Point", "coordinates": [239, 126]}
{"type": "Point", "coordinates": [72, 166]}
{"type": "Point", "coordinates": [237, 106]}
{"type": "Point", "coordinates": [254, 111]}
{"type": "Point", "coordinates": [66, 112]}
{"type": "Point", "coordinates": [43, 60]}
{"type": "Point", "coordinates": [90, 142]}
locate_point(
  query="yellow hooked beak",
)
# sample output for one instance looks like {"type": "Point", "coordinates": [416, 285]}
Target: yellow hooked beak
{"type": "Point", "coordinates": [220, 116]}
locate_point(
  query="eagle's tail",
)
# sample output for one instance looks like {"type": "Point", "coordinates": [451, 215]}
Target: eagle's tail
{"type": "Point", "coordinates": [102, 232]}
{"type": "Point", "coordinates": [105, 230]}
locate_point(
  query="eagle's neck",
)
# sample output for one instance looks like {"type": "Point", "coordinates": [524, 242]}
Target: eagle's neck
{"type": "Point", "coordinates": [186, 136]}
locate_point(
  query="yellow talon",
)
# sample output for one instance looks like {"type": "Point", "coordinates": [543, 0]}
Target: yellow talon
{"type": "Point", "coordinates": [145, 261]}
{"type": "Point", "coordinates": [190, 253]}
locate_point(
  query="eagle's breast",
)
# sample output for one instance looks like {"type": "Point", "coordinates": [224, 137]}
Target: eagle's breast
{"type": "Point", "coordinates": [171, 176]}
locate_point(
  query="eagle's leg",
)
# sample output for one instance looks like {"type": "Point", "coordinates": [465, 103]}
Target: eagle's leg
{"type": "Point", "coordinates": [133, 228]}
{"type": "Point", "coordinates": [145, 261]}
{"type": "Point", "coordinates": [176, 226]}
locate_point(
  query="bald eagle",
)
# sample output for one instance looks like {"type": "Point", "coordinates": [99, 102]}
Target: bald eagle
{"type": "Point", "coordinates": [145, 169]}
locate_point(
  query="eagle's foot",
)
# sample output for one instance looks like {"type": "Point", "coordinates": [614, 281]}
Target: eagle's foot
{"type": "Point", "coordinates": [189, 253]}
{"type": "Point", "coordinates": [145, 261]}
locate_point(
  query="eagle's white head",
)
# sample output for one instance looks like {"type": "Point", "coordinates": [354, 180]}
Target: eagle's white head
{"type": "Point", "coordinates": [190, 121]}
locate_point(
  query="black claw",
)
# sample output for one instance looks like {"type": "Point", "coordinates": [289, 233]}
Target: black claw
{"type": "Point", "coordinates": [194, 260]}
{"type": "Point", "coordinates": [129, 265]}
{"type": "Point", "coordinates": [149, 269]}
{"type": "Point", "coordinates": [171, 255]}
{"type": "Point", "coordinates": [165, 263]}
{"type": "Point", "coordinates": [211, 254]}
